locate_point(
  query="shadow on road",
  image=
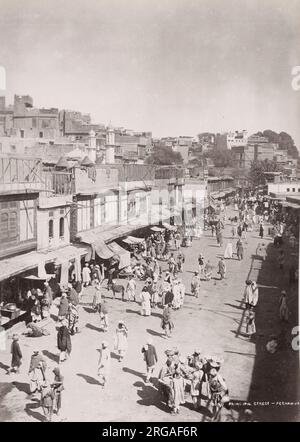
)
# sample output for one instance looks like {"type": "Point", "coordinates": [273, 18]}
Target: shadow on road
{"type": "Point", "coordinates": [93, 327]}
{"type": "Point", "coordinates": [22, 386]}
{"type": "Point", "coordinates": [133, 372]}
{"type": "Point", "coordinates": [52, 356]}
{"type": "Point", "coordinates": [155, 333]}
{"type": "Point", "coordinates": [149, 396]}
{"type": "Point", "coordinates": [89, 379]}
{"type": "Point", "coordinates": [36, 415]}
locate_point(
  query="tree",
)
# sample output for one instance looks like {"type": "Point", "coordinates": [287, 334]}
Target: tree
{"type": "Point", "coordinates": [221, 157]}
{"type": "Point", "coordinates": [164, 155]}
{"type": "Point", "coordinates": [284, 141]}
{"type": "Point", "coordinates": [258, 169]}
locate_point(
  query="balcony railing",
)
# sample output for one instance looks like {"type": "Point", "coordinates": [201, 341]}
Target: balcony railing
{"type": "Point", "coordinates": [58, 183]}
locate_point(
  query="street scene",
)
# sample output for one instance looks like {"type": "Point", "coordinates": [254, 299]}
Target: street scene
{"type": "Point", "coordinates": [149, 274]}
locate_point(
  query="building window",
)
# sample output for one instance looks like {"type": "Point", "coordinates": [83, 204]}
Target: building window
{"type": "Point", "coordinates": [41, 135]}
{"type": "Point", "coordinates": [294, 190]}
{"type": "Point", "coordinates": [61, 227]}
{"type": "Point", "coordinates": [288, 189]}
{"type": "Point", "coordinates": [8, 226]}
{"type": "Point", "coordinates": [50, 228]}
{"type": "Point", "coordinates": [84, 215]}
{"type": "Point", "coordinates": [27, 226]}
{"type": "Point", "coordinates": [22, 133]}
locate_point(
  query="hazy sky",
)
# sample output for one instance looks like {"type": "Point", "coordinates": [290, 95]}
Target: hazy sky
{"type": "Point", "coordinates": [170, 66]}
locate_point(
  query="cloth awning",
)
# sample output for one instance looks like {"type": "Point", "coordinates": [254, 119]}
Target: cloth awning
{"type": "Point", "coordinates": [15, 265]}
{"type": "Point", "coordinates": [102, 250]}
{"type": "Point", "coordinates": [133, 240]}
{"type": "Point", "coordinates": [97, 244]}
{"type": "Point", "coordinates": [157, 229]}
{"type": "Point", "coordinates": [169, 227]}
{"type": "Point", "coordinates": [123, 254]}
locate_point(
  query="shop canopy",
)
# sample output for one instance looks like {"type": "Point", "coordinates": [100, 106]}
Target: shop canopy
{"type": "Point", "coordinates": [123, 254]}
{"type": "Point", "coordinates": [97, 244]}
{"type": "Point", "coordinates": [157, 229]}
{"type": "Point", "coordinates": [169, 227]}
{"type": "Point", "coordinates": [13, 266]}
{"type": "Point", "coordinates": [133, 240]}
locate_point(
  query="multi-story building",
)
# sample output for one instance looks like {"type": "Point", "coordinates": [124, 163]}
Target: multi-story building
{"type": "Point", "coordinates": [30, 122]}
{"type": "Point", "coordinates": [237, 139]}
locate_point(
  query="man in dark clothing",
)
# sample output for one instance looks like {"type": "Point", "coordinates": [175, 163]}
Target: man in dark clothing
{"type": "Point", "coordinates": [64, 342]}
{"type": "Point", "coordinates": [73, 295]}
{"type": "Point", "coordinates": [150, 357]}
{"type": "Point", "coordinates": [16, 356]}
{"type": "Point", "coordinates": [169, 297]}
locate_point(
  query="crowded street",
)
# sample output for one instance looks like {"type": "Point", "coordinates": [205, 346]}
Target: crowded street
{"type": "Point", "coordinates": [211, 323]}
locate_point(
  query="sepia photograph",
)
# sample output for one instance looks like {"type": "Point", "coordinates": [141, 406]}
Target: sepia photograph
{"type": "Point", "coordinates": [149, 213]}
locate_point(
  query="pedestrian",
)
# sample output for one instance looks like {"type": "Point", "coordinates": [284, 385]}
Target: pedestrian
{"type": "Point", "coordinates": [130, 289]}
{"type": "Point", "coordinates": [240, 249]}
{"type": "Point", "coordinates": [37, 372]}
{"type": "Point", "coordinates": [248, 294]}
{"type": "Point", "coordinates": [222, 268]}
{"type": "Point", "coordinates": [121, 344]}
{"type": "Point", "coordinates": [166, 323]}
{"type": "Point", "coordinates": [104, 316]}
{"type": "Point", "coordinates": [281, 259]}
{"type": "Point", "coordinates": [283, 307]}
{"type": "Point", "coordinates": [73, 296]}
{"type": "Point", "coordinates": [49, 292]}
{"type": "Point", "coordinates": [177, 240]}
{"type": "Point", "coordinates": [16, 355]}
{"type": "Point", "coordinates": [168, 296]}
{"type": "Point", "coordinates": [177, 295]}
{"type": "Point", "coordinates": [180, 261]}
{"type": "Point", "coordinates": [228, 254]}
{"type": "Point", "coordinates": [261, 251]}
{"type": "Point", "coordinates": [250, 327]}
{"type": "Point", "coordinates": [104, 363]}
{"type": "Point", "coordinates": [97, 296]}
{"type": "Point", "coordinates": [36, 310]}
{"type": "Point", "coordinates": [261, 230]}
{"type": "Point", "coordinates": [195, 285]}
{"type": "Point", "coordinates": [146, 300]}
{"type": "Point", "coordinates": [182, 291]}
{"type": "Point", "coordinates": [208, 268]}
{"type": "Point", "coordinates": [252, 296]}
{"type": "Point", "coordinates": [201, 264]}
{"type": "Point", "coordinates": [178, 391]}
{"type": "Point", "coordinates": [154, 294]}
{"type": "Point", "coordinates": [172, 264]}
{"type": "Point", "coordinates": [73, 319]}
{"type": "Point", "coordinates": [218, 389]}
{"type": "Point", "coordinates": [86, 275]}
{"type": "Point", "coordinates": [150, 357]}
{"type": "Point", "coordinates": [58, 388]}
{"type": "Point", "coordinates": [195, 387]}
{"type": "Point", "coordinates": [47, 401]}
{"type": "Point", "coordinates": [64, 341]}
{"type": "Point", "coordinates": [63, 308]}
{"type": "Point", "coordinates": [233, 231]}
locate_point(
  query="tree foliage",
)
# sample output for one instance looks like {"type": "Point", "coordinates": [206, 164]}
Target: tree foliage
{"type": "Point", "coordinates": [164, 155]}
{"type": "Point", "coordinates": [284, 141]}
{"type": "Point", "coordinates": [221, 157]}
{"type": "Point", "coordinates": [258, 168]}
